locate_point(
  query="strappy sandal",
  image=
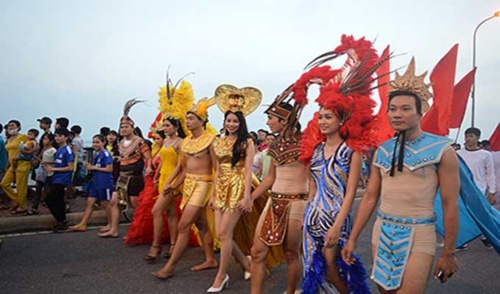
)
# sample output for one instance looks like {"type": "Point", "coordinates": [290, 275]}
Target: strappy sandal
{"type": "Point", "coordinates": [168, 254]}
{"type": "Point", "coordinates": [152, 258]}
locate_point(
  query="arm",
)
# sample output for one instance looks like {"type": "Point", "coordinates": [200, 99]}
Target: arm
{"type": "Point", "coordinates": [312, 185]}
{"type": "Point", "coordinates": [266, 183]}
{"type": "Point", "coordinates": [178, 169]}
{"type": "Point", "coordinates": [258, 173]}
{"type": "Point", "coordinates": [69, 167]}
{"type": "Point", "coordinates": [365, 209]}
{"type": "Point", "coordinates": [333, 234]}
{"type": "Point", "coordinates": [215, 166]}
{"type": "Point", "coordinates": [449, 184]}
{"type": "Point", "coordinates": [29, 148]}
{"type": "Point", "coordinates": [245, 204]}
{"type": "Point", "coordinates": [490, 179]}
{"type": "Point", "coordinates": [146, 155]}
{"type": "Point", "coordinates": [156, 177]}
{"type": "Point", "coordinates": [107, 169]}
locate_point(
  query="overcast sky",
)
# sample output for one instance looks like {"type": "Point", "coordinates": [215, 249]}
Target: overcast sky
{"type": "Point", "coordinates": [84, 59]}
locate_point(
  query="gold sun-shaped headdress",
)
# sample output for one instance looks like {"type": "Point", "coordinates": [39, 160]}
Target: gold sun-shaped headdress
{"type": "Point", "coordinates": [409, 82]}
{"type": "Point", "coordinates": [246, 100]}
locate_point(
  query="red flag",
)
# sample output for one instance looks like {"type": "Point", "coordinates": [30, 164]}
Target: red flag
{"type": "Point", "coordinates": [495, 139]}
{"type": "Point", "coordinates": [437, 120]}
{"type": "Point", "coordinates": [384, 130]}
{"type": "Point", "coordinates": [460, 97]}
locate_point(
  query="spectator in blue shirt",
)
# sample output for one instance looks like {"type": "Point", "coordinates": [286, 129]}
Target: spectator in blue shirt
{"type": "Point", "coordinates": [102, 181]}
{"type": "Point", "coordinates": [63, 169]}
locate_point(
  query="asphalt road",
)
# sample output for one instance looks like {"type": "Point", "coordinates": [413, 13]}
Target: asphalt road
{"type": "Point", "coordinates": [84, 263]}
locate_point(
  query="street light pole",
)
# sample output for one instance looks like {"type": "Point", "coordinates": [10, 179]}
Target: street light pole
{"type": "Point", "coordinates": [473, 93]}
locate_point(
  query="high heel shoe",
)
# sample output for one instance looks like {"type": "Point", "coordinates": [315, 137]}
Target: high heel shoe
{"type": "Point", "coordinates": [151, 258]}
{"type": "Point", "coordinates": [225, 284]}
{"type": "Point", "coordinates": [247, 275]}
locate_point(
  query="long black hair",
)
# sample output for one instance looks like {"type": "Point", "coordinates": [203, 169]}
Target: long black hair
{"type": "Point", "coordinates": [177, 123]}
{"type": "Point", "coordinates": [51, 138]}
{"type": "Point", "coordinates": [243, 136]}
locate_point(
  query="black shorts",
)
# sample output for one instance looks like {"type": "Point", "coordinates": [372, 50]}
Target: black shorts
{"type": "Point", "coordinates": [135, 185]}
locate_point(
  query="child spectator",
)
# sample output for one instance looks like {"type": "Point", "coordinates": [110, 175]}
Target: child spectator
{"type": "Point", "coordinates": [102, 182]}
{"type": "Point", "coordinates": [79, 155]}
{"type": "Point", "coordinates": [43, 179]}
{"type": "Point", "coordinates": [63, 168]}
{"type": "Point", "coordinates": [26, 149]}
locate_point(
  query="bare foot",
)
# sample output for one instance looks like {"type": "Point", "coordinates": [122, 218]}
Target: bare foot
{"type": "Point", "coordinates": [162, 276]}
{"type": "Point", "coordinates": [108, 234]}
{"type": "Point", "coordinates": [206, 265]}
{"type": "Point", "coordinates": [104, 229]}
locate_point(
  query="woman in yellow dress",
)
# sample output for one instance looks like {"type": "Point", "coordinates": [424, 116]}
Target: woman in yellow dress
{"type": "Point", "coordinates": [166, 202]}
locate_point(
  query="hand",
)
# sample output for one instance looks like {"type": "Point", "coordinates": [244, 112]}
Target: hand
{"type": "Point", "coordinates": [245, 205]}
{"type": "Point", "coordinates": [347, 252]}
{"type": "Point", "coordinates": [166, 190]}
{"type": "Point", "coordinates": [492, 198]}
{"type": "Point", "coordinates": [332, 237]}
{"type": "Point", "coordinates": [89, 167]}
{"type": "Point", "coordinates": [156, 182]}
{"type": "Point", "coordinates": [211, 203]}
{"type": "Point", "coordinates": [48, 168]}
{"type": "Point", "coordinates": [148, 171]}
{"type": "Point", "coordinates": [447, 264]}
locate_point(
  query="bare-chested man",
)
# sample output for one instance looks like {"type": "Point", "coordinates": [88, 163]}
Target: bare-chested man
{"type": "Point", "coordinates": [195, 170]}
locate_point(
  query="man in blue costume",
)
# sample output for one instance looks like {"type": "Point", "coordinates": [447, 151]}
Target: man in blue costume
{"type": "Point", "coordinates": [406, 174]}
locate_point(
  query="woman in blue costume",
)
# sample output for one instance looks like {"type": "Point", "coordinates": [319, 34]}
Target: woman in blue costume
{"type": "Point", "coordinates": [332, 145]}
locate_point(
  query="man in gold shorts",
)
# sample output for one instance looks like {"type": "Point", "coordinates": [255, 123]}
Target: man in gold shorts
{"type": "Point", "coordinates": [195, 169]}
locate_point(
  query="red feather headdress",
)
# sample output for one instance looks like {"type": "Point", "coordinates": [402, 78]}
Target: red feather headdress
{"type": "Point", "coordinates": [345, 91]}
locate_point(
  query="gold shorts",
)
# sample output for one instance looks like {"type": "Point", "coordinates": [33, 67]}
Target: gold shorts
{"type": "Point", "coordinates": [197, 190]}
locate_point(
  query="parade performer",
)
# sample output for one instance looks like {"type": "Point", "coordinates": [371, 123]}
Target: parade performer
{"type": "Point", "coordinates": [141, 230]}
{"type": "Point", "coordinates": [175, 101]}
{"type": "Point", "coordinates": [195, 169]}
{"type": "Point", "coordinates": [233, 178]}
{"type": "Point", "coordinates": [406, 174]}
{"type": "Point", "coordinates": [288, 179]}
{"type": "Point", "coordinates": [332, 145]}
{"type": "Point", "coordinates": [134, 155]}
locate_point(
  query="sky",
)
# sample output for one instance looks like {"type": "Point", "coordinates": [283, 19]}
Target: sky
{"type": "Point", "coordinates": [84, 59]}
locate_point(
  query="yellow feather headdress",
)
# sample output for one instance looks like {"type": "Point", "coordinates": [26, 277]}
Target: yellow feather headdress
{"type": "Point", "coordinates": [201, 107]}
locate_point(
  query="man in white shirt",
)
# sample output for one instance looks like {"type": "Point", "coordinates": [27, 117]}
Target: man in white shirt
{"type": "Point", "coordinates": [480, 162]}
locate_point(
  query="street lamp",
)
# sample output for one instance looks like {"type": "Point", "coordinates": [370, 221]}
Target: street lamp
{"type": "Point", "coordinates": [473, 94]}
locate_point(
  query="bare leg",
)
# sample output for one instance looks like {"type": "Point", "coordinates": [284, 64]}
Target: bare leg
{"type": "Point", "coordinates": [189, 215]}
{"type": "Point", "coordinates": [259, 254]}
{"type": "Point", "coordinates": [134, 200]}
{"type": "Point", "coordinates": [173, 221]}
{"type": "Point", "coordinates": [292, 246]}
{"type": "Point", "coordinates": [241, 258]}
{"type": "Point", "coordinates": [158, 209]}
{"type": "Point", "coordinates": [225, 221]}
{"type": "Point", "coordinates": [88, 211]}
{"type": "Point", "coordinates": [107, 208]}
{"type": "Point", "coordinates": [208, 243]}
{"type": "Point", "coordinates": [115, 218]}
{"type": "Point", "coordinates": [332, 270]}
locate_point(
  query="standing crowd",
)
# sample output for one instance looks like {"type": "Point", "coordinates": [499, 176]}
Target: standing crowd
{"type": "Point", "coordinates": [283, 195]}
